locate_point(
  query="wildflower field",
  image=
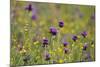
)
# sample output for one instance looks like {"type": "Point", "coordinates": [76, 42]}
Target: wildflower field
{"type": "Point", "coordinates": [51, 33]}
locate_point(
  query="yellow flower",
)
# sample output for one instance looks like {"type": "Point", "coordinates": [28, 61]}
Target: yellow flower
{"type": "Point", "coordinates": [59, 50]}
{"type": "Point", "coordinates": [43, 37]}
{"type": "Point", "coordinates": [51, 52]}
{"type": "Point", "coordinates": [61, 61]}
{"type": "Point", "coordinates": [23, 47]}
{"type": "Point", "coordinates": [92, 45]}
{"type": "Point", "coordinates": [81, 46]}
{"type": "Point", "coordinates": [22, 51]}
{"type": "Point", "coordinates": [63, 30]}
{"type": "Point", "coordinates": [26, 29]}
{"type": "Point", "coordinates": [72, 45]}
{"type": "Point", "coordinates": [14, 40]}
{"type": "Point", "coordinates": [14, 47]}
{"type": "Point", "coordinates": [73, 31]}
{"type": "Point", "coordinates": [36, 42]}
{"type": "Point", "coordinates": [79, 36]}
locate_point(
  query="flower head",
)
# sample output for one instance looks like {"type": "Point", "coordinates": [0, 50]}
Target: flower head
{"type": "Point", "coordinates": [45, 42]}
{"type": "Point", "coordinates": [53, 30]}
{"type": "Point", "coordinates": [74, 38]}
{"type": "Point", "coordinates": [85, 46]}
{"type": "Point", "coordinates": [66, 50]}
{"type": "Point", "coordinates": [34, 17]}
{"type": "Point", "coordinates": [47, 57]}
{"type": "Point", "coordinates": [84, 34]}
{"type": "Point", "coordinates": [61, 24]}
{"type": "Point", "coordinates": [65, 44]}
{"type": "Point", "coordinates": [29, 7]}
{"type": "Point", "coordinates": [61, 61]}
{"type": "Point", "coordinates": [88, 56]}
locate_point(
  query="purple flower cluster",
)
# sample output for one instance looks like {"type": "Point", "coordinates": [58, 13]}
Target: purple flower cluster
{"type": "Point", "coordinates": [85, 46]}
{"type": "Point", "coordinates": [65, 44]}
{"type": "Point", "coordinates": [45, 42]}
{"type": "Point", "coordinates": [74, 38]}
{"type": "Point", "coordinates": [47, 57]}
{"type": "Point", "coordinates": [61, 24]}
{"type": "Point", "coordinates": [84, 34]}
{"type": "Point", "coordinates": [34, 17]}
{"type": "Point", "coordinates": [53, 31]}
{"type": "Point", "coordinates": [66, 50]}
{"type": "Point", "coordinates": [29, 7]}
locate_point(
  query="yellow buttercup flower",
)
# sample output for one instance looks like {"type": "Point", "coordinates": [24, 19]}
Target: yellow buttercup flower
{"type": "Point", "coordinates": [61, 61]}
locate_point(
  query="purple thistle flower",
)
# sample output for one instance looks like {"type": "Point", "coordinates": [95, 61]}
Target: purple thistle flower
{"type": "Point", "coordinates": [88, 57]}
{"type": "Point", "coordinates": [45, 42]}
{"type": "Point", "coordinates": [65, 44]}
{"type": "Point", "coordinates": [47, 57]}
{"type": "Point", "coordinates": [85, 46]}
{"type": "Point", "coordinates": [29, 7]}
{"type": "Point", "coordinates": [61, 24]}
{"type": "Point", "coordinates": [53, 31]}
{"type": "Point", "coordinates": [84, 34]}
{"type": "Point", "coordinates": [74, 38]}
{"type": "Point", "coordinates": [66, 50]}
{"type": "Point", "coordinates": [34, 17]}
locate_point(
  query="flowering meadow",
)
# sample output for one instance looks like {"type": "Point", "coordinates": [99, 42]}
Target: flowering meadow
{"type": "Point", "coordinates": [51, 33]}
